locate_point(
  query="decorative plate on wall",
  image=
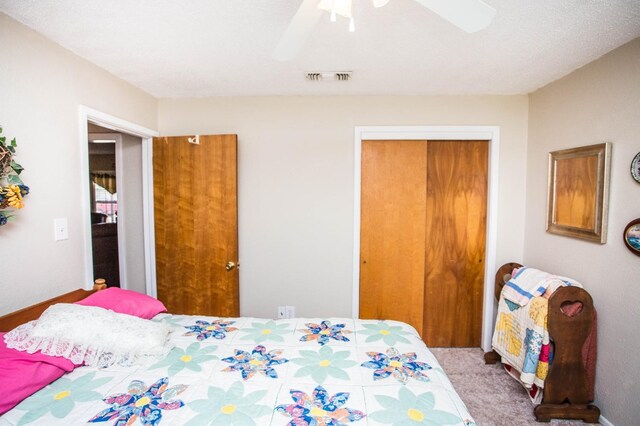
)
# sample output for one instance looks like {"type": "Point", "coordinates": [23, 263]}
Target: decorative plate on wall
{"type": "Point", "coordinates": [631, 236]}
{"type": "Point", "coordinates": [635, 167]}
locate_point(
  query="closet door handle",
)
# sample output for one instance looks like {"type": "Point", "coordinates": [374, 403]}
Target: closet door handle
{"type": "Point", "coordinates": [230, 266]}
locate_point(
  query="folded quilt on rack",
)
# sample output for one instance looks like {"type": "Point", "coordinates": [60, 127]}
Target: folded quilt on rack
{"type": "Point", "coordinates": [528, 283]}
{"type": "Point", "coordinates": [521, 336]}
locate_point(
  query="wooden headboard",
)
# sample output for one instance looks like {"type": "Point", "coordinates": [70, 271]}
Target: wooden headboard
{"type": "Point", "coordinates": [10, 321]}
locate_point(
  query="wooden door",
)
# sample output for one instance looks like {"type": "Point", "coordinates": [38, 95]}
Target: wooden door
{"type": "Point", "coordinates": [422, 236]}
{"type": "Point", "coordinates": [455, 235]}
{"type": "Point", "coordinates": [196, 224]}
{"type": "Point", "coordinates": [392, 231]}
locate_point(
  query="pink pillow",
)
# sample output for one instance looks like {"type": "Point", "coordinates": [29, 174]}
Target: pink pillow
{"type": "Point", "coordinates": [125, 302]}
{"type": "Point", "coordinates": [22, 374]}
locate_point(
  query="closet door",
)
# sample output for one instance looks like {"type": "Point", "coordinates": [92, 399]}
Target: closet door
{"type": "Point", "coordinates": [422, 236]}
{"type": "Point", "coordinates": [392, 231]}
{"type": "Point", "coordinates": [196, 224]}
{"type": "Point", "coordinates": [456, 223]}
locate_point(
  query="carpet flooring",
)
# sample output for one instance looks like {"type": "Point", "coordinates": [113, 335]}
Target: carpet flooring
{"type": "Point", "coordinates": [492, 396]}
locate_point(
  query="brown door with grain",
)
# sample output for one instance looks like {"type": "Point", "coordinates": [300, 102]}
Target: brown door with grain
{"type": "Point", "coordinates": [456, 235]}
{"type": "Point", "coordinates": [423, 233]}
{"type": "Point", "coordinates": [196, 224]}
{"type": "Point", "coordinates": [392, 239]}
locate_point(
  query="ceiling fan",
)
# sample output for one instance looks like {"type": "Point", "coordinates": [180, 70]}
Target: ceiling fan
{"type": "Point", "coordinates": [468, 15]}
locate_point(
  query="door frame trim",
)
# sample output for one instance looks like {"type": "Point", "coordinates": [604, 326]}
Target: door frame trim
{"type": "Point", "coordinates": [108, 121]}
{"type": "Point", "coordinates": [490, 133]}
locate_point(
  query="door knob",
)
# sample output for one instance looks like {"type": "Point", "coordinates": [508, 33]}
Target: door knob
{"type": "Point", "coordinates": [230, 266]}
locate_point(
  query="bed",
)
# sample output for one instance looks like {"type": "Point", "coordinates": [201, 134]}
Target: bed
{"type": "Point", "coordinates": [250, 371]}
{"type": "Point", "coordinates": [555, 339]}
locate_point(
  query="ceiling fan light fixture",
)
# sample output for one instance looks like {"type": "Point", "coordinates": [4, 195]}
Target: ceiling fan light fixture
{"type": "Point", "coordinates": [337, 7]}
{"type": "Point", "coordinates": [468, 15]}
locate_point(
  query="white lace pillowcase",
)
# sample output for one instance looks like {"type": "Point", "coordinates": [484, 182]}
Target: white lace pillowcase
{"type": "Point", "coordinates": [92, 335]}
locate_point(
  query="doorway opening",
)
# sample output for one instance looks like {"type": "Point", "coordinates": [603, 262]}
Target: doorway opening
{"type": "Point", "coordinates": [117, 202]}
{"type": "Point", "coordinates": [104, 176]}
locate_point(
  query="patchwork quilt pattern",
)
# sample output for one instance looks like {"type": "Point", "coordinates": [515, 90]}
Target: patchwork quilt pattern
{"type": "Point", "coordinates": [522, 339]}
{"type": "Point", "coordinates": [249, 371]}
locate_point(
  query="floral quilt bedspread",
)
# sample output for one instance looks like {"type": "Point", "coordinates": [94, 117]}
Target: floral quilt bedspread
{"type": "Point", "coordinates": [248, 371]}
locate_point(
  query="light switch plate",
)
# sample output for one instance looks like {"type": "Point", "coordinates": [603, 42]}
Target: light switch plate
{"type": "Point", "coordinates": [61, 229]}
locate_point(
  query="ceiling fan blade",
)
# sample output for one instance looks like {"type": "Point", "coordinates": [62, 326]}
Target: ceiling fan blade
{"type": "Point", "coordinates": [299, 29]}
{"type": "Point", "coordinates": [468, 15]}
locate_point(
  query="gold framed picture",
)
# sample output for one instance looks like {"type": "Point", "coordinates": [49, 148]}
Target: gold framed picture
{"type": "Point", "coordinates": [578, 193]}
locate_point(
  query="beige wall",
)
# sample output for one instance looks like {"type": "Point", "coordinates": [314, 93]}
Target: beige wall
{"type": "Point", "coordinates": [296, 183]}
{"type": "Point", "coordinates": [595, 104]}
{"type": "Point", "coordinates": [131, 197]}
{"type": "Point", "coordinates": [42, 86]}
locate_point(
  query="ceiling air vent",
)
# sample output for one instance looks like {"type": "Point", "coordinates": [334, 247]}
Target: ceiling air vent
{"type": "Point", "coordinates": [329, 76]}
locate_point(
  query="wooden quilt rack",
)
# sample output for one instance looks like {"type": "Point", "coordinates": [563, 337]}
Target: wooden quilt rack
{"type": "Point", "coordinates": [565, 393]}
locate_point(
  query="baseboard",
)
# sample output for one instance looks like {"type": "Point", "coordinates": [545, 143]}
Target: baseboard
{"type": "Point", "coordinates": [605, 422]}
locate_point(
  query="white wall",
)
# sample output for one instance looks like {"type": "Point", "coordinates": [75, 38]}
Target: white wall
{"type": "Point", "coordinates": [295, 178]}
{"type": "Point", "coordinates": [41, 86]}
{"type": "Point", "coordinates": [597, 103]}
{"type": "Point", "coordinates": [131, 195]}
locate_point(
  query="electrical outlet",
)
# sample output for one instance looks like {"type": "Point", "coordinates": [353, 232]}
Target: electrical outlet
{"type": "Point", "coordinates": [290, 311]}
{"type": "Point", "coordinates": [282, 312]}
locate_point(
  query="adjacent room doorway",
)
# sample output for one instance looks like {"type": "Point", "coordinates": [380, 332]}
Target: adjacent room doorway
{"type": "Point", "coordinates": [116, 202]}
{"type": "Point", "coordinates": [103, 193]}
{"type": "Point", "coordinates": [120, 196]}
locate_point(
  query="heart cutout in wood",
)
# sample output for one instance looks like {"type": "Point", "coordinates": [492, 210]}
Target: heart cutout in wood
{"type": "Point", "coordinates": [571, 308]}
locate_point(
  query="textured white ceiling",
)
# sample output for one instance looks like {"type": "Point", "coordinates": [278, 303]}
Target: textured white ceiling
{"type": "Point", "coordinates": [198, 48]}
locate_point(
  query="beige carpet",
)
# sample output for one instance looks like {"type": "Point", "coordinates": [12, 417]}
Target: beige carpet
{"type": "Point", "coordinates": [492, 396]}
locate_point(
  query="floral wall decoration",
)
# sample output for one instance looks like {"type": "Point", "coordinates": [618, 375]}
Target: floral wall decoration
{"type": "Point", "coordinates": [12, 189]}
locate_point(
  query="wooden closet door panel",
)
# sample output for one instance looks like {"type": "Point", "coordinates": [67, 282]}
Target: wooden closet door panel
{"type": "Point", "coordinates": [455, 234]}
{"type": "Point", "coordinates": [392, 234]}
{"type": "Point", "coordinates": [195, 201]}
